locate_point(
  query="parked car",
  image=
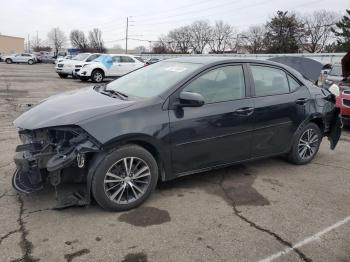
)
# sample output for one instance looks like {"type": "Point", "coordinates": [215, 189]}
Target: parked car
{"type": "Point", "coordinates": [109, 65]}
{"type": "Point", "coordinates": [61, 59]}
{"type": "Point", "coordinates": [20, 58]}
{"type": "Point", "coordinates": [334, 76]}
{"type": "Point", "coordinates": [152, 61]}
{"type": "Point", "coordinates": [66, 67]}
{"type": "Point", "coordinates": [174, 118]}
{"type": "Point", "coordinates": [342, 91]}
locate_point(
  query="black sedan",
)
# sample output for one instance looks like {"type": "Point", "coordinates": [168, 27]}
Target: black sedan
{"type": "Point", "coordinates": [174, 118]}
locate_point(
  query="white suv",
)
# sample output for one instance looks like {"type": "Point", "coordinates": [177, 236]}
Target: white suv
{"type": "Point", "coordinates": [109, 65]}
{"type": "Point", "coordinates": [66, 67]}
{"type": "Point", "coordinates": [20, 58]}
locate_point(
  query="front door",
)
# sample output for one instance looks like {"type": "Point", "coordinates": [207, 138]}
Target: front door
{"type": "Point", "coordinates": [280, 107]}
{"type": "Point", "coordinates": [116, 67]}
{"type": "Point", "coordinates": [127, 64]}
{"type": "Point", "coordinates": [219, 132]}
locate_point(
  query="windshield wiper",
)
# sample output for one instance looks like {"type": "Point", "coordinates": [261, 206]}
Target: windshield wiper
{"type": "Point", "coordinates": [113, 92]}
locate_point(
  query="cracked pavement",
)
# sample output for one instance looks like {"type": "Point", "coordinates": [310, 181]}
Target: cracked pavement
{"type": "Point", "coordinates": [240, 213]}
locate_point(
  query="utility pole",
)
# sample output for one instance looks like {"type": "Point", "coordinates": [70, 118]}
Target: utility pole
{"type": "Point", "coordinates": [126, 35]}
{"type": "Point", "coordinates": [28, 44]}
{"type": "Point", "coordinates": [128, 23]}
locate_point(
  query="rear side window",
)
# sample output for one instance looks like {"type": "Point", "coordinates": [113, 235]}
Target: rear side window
{"type": "Point", "coordinates": [269, 81]}
{"type": "Point", "coordinates": [126, 59]}
{"type": "Point", "coordinates": [218, 85]}
{"type": "Point", "coordinates": [293, 84]}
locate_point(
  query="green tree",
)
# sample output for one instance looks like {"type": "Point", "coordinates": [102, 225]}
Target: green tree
{"type": "Point", "coordinates": [342, 32]}
{"type": "Point", "coordinates": [282, 33]}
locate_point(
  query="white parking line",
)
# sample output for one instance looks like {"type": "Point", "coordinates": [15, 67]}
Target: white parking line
{"type": "Point", "coordinates": [306, 241]}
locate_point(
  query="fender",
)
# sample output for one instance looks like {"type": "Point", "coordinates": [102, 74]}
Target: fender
{"type": "Point", "coordinates": [162, 151]}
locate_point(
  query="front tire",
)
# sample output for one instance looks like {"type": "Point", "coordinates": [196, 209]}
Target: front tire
{"type": "Point", "coordinates": [125, 178]}
{"type": "Point", "coordinates": [30, 62]}
{"type": "Point", "coordinates": [84, 78]}
{"type": "Point", "coordinates": [306, 144]}
{"type": "Point", "coordinates": [97, 76]}
{"type": "Point", "coordinates": [8, 61]}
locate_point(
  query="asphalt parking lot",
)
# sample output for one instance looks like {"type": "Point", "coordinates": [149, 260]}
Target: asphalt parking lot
{"type": "Point", "coordinates": [268, 209]}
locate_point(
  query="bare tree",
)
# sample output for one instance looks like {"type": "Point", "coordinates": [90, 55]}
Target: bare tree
{"type": "Point", "coordinates": [201, 32]}
{"type": "Point", "coordinates": [57, 38]}
{"type": "Point", "coordinates": [317, 31]}
{"type": "Point", "coordinates": [140, 49]}
{"type": "Point", "coordinates": [168, 44]}
{"type": "Point", "coordinates": [222, 35]}
{"type": "Point", "coordinates": [36, 43]}
{"type": "Point", "coordinates": [95, 41]}
{"type": "Point", "coordinates": [79, 40]}
{"type": "Point", "coordinates": [182, 37]}
{"type": "Point", "coordinates": [254, 39]}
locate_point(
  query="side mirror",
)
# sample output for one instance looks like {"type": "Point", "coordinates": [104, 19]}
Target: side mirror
{"type": "Point", "coordinates": [189, 99]}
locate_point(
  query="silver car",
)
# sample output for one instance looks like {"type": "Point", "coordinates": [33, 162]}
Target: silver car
{"type": "Point", "coordinates": [20, 58]}
{"type": "Point", "coordinates": [334, 76]}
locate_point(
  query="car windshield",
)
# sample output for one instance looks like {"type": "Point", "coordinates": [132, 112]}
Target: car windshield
{"type": "Point", "coordinates": [152, 80]}
{"type": "Point", "coordinates": [80, 57]}
{"type": "Point", "coordinates": [336, 71]}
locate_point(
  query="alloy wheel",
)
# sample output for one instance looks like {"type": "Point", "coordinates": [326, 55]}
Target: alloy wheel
{"type": "Point", "coordinates": [308, 144]}
{"type": "Point", "coordinates": [98, 77]}
{"type": "Point", "coordinates": [127, 180]}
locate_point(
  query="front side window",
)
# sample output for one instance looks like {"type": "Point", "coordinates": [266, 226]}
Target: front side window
{"type": "Point", "coordinates": [269, 81]}
{"type": "Point", "coordinates": [126, 59]}
{"type": "Point", "coordinates": [116, 59]}
{"type": "Point", "coordinates": [218, 85]}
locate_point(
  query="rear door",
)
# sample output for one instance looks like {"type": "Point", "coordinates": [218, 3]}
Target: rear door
{"type": "Point", "coordinates": [219, 132]}
{"type": "Point", "coordinates": [281, 103]}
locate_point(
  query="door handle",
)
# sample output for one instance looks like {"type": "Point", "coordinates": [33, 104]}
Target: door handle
{"type": "Point", "coordinates": [301, 101]}
{"type": "Point", "coordinates": [244, 111]}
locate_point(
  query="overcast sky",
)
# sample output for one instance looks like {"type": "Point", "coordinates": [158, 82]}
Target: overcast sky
{"type": "Point", "coordinates": [150, 17]}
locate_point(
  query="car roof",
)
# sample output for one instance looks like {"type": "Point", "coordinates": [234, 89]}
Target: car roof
{"type": "Point", "coordinates": [216, 60]}
{"type": "Point", "coordinates": [206, 60]}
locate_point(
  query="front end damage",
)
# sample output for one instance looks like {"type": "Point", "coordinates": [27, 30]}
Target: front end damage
{"type": "Point", "coordinates": [52, 156]}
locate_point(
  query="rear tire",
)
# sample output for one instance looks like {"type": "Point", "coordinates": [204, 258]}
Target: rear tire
{"type": "Point", "coordinates": [8, 61]}
{"type": "Point", "coordinates": [135, 179]}
{"type": "Point", "coordinates": [306, 144]}
{"type": "Point", "coordinates": [97, 76]}
{"type": "Point", "coordinates": [63, 75]}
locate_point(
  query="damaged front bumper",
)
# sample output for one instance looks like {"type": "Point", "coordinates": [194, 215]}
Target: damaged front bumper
{"type": "Point", "coordinates": [48, 154]}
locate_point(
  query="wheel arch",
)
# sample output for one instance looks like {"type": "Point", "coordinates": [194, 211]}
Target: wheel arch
{"type": "Point", "coordinates": [316, 118]}
{"type": "Point", "coordinates": [100, 69]}
{"type": "Point", "coordinates": [147, 142]}
{"type": "Point", "coordinates": [151, 144]}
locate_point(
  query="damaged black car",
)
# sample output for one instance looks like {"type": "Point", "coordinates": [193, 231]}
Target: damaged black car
{"type": "Point", "coordinates": [173, 118]}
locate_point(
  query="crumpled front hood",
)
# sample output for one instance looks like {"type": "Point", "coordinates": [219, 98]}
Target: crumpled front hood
{"type": "Point", "coordinates": [69, 108]}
